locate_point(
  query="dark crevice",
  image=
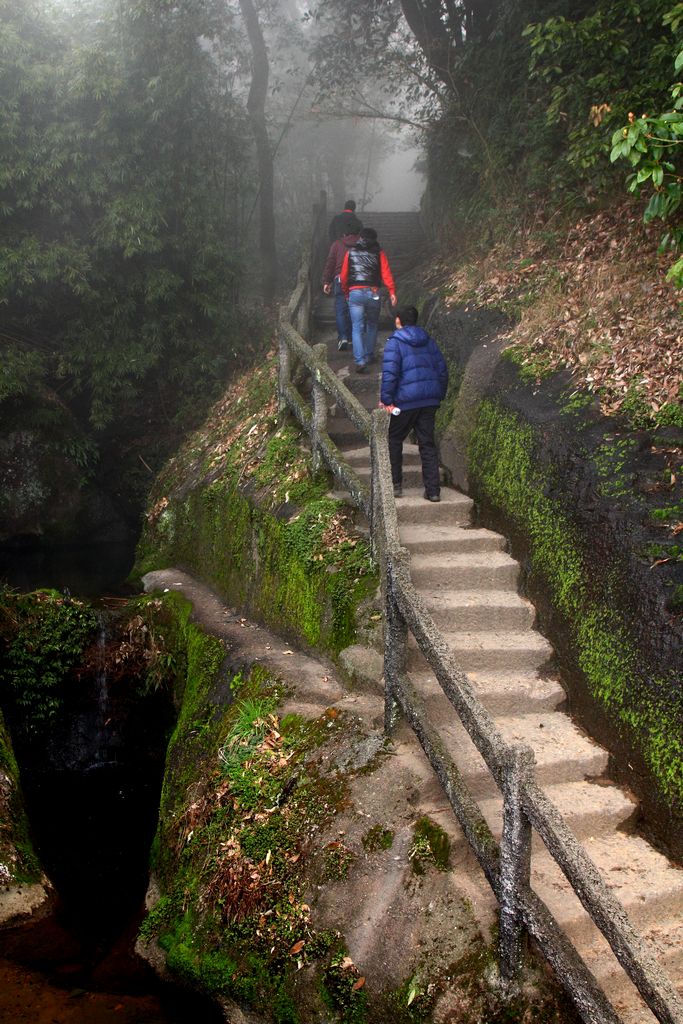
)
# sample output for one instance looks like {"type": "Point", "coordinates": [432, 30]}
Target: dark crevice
{"type": "Point", "coordinates": [92, 785]}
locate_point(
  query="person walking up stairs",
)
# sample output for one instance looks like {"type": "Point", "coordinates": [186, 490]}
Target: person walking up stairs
{"type": "Point", "coordinates": [414, 383]}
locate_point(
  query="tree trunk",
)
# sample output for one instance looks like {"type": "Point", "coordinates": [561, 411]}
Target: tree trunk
{"type": "Point", "coordinates": [256, 105]}
{"type": "Point", "coordinates": [425, 22]}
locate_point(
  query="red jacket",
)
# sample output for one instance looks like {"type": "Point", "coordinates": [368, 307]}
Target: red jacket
{"type": "Point", "coordinates": [335, 257]}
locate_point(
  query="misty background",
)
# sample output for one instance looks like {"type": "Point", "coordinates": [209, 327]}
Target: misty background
{"type": "Point", "coordinates": [158, 166]}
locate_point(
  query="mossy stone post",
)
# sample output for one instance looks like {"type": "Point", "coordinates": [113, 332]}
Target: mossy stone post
{"type": "Point", "coordinates": [515, 865]}
{"type": "Point", "coordinates": [319, 424]}
{"type": "Point", "coordinates": [395, 638]}
{"type": "Point", "coordinates": [284, 372]}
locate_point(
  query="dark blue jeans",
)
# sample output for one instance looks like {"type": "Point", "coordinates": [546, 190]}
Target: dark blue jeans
{"type": "Point", "coordinates": [422, 422]}
{"type": "Point", "coordinates": [341, 312]}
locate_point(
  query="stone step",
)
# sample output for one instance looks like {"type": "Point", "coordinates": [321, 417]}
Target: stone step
{"type": "Point", "coordinates": [507, 693]}
{"type": "Point", "coordinates": [424, 539]}
{"type": "Point", "coordinates": [589, 809]}
{"type": "Point", "coordinates": [343, 432]}
{"type": "Point", "coordinates": [358, 456]}
{"type": "Point", "coordinates": [527, 650]}
{"type": "Point", "coordinates": [454, 570]}
{"type": "Point", "coordinates": [550, 734]}
{"type": "Point", "coordinates": [454, 508]}
{"type": "Point", "coordinates": [665, 939]}
{"type": "Point", "coordinates": [647, 884]}
{"type": "Point", "coordinates": [361, 457]}
{"type": "Point", "coordinates": [469, 585]}
{"type": "Point", "coordinates": [563, 753]}
{"type": "Point", "coordinates": [503, 694]}
{"type": "Point", "coordinates": [360, 383]}
{"type": "Point", "coordinates": [412, 475]}
{"type": "Point", "coordinates": [479, 610]}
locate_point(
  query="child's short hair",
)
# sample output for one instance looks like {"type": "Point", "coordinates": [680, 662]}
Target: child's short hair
{"type": "Point", "coordinates": [369, 234]}
{"type": "Point", "coordinates": [407, 315]}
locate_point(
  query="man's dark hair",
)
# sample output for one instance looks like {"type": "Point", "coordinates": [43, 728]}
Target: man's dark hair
{"type": "Point", "coordinates": [350, 204]}
{"type": "Point", "coordinates": [369, 234]}
{"type": "Point", "coordinates": [407, 315]}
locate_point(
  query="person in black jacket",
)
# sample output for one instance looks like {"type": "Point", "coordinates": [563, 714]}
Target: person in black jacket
{"type": "Point", "coordinates": [414, 383]}
{"type": "Point", "coordinates": [346, 222]}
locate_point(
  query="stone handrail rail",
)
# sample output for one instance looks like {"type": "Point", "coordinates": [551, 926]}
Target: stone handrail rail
{"type": "Point", "coordinates": [506, 865]}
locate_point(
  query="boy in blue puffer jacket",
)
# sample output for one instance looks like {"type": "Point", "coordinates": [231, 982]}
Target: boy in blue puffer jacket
{"type": "Point", "coordinates": [414, 380]}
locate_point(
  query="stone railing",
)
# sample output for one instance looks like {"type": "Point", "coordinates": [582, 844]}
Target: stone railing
{"type": "Point", "coordinates": [506, 865]}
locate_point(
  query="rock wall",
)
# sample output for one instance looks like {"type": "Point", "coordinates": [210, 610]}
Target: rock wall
{"type": "Point", "coordinates": [24, 890]}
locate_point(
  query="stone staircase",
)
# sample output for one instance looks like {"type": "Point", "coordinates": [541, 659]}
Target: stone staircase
{"type": "Point", "coordinates": [470, 585]}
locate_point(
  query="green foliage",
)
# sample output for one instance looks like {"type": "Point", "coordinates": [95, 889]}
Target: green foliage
{"type": "Point", "coordinates": [124, 181]}
{"type": "Point", "coordinates": [598, 66]}
{"type": "Point", "coordinates": [668, 513]}
{"type": "Point", "coordinates": [44, 636]}
{"type": "Point", "coordinates": [340, 991]}
{"type": "Point", "coordinates": [651, 144]}
{"type": "Point", "coordinates": [532, 104]}
{"type": "Point", "coordinates": [675, 601]}
{"type": "Point", "coordinates": [610, 461]}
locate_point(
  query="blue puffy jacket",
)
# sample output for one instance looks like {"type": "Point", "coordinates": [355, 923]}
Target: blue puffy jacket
{"type": "Point", "coordinates": [414, 373]}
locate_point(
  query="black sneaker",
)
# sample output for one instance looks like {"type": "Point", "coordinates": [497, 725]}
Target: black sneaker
{"type": "Point", "coordinates": [342, 345]}
{"type": "Point", "coordinates": [432, 497]}
{"type": "Point", "coordinates": [398, 491]}
{"type": "Point", "coordinates": [360, 367]}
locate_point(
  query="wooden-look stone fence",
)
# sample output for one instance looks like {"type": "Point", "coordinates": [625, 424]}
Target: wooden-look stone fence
{"type": "Point", "coordinates": [506, 865]}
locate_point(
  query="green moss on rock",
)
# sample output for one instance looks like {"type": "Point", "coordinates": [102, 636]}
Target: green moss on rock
{"type": "Point", "coordinates": [507, 474]}
{"type": "Point", "coordinates": [430, 845]}
{"type": "Point", "coordinates": [242, 799]}
{"type": "Point", "coordinates": [241, 507]}
{"type": "Point", "coordinates": [19, 864]}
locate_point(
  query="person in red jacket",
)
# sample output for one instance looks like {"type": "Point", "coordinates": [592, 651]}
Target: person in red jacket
{"type": "Point", "coordinates": [364, 270]}
{"type": "Point", "coordinates": [331, 272]}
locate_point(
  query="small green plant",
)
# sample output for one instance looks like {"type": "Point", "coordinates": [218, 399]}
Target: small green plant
{"type": "Point", "coordinates": [342, 990]}
{"type": "Point", "coordinates": [377, 838]}
{"type": "Point", "coordinates": [675, 602]}
{"type": "Point", "coordinates": [45, 636]}
{"type": "Point", "coordinates": [574, 402]}
{"type": "Point", "coordinates": [668, 513]}
{"type": "Point", "coordinates": [610, 462]}
{"type": "Point", "coordinates": [338, 861]}
{"type": "Point", "coordinates": [430, 845]}
{"type": "Point", "coordinates": [659, 553]}
{"type": "Point", "coordinates": [237, 682]}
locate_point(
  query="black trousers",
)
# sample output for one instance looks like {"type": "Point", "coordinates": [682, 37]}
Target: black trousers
{"type": "Point", "coordinates": [422, 422]}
